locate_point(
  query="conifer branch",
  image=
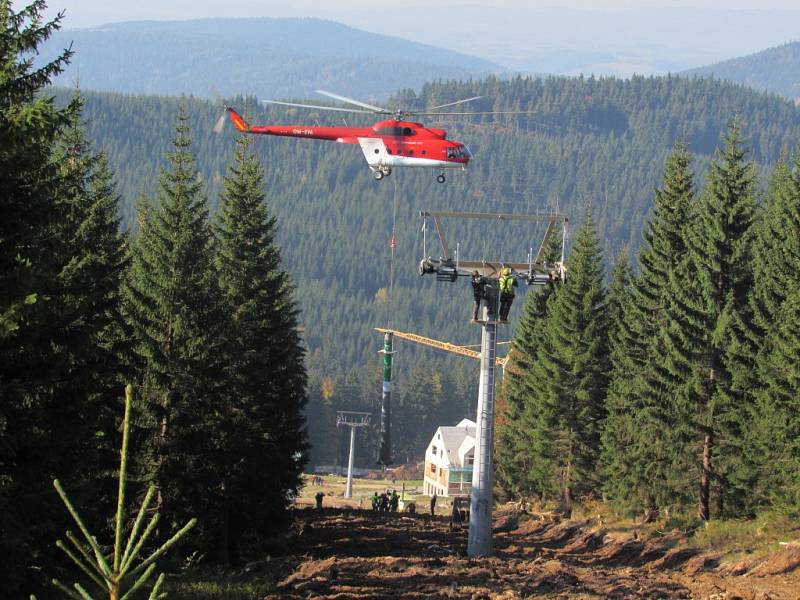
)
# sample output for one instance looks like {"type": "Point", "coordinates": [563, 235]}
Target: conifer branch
{"type": "Point", "coordinates": [154, 595]}
{"type": "Point", "coordinates": [84, 552]}
{"type": "Point", "coordinates": [139, 582]}
{"type": "Point", "coordinates": [137, 524]}
{"type": "Point", "coordinates": [70, 593]}
{"type": "Point", "coordinates": [101, 561]}
{"type": "Point", "coordinates": [83, 593]}
{"type": "Point", "coordinates": [135, 552]}
{"type": "Point", "coordinates": [171, 542]}
{"type": "Point", "coordinates": [82, 565]}
{"type": "Point", "coordinates": [123, 473]}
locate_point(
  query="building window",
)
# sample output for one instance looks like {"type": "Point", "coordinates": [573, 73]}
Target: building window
{"type": "Point", "coordinates": [433, 449]}
{"type": "Point", "coordinates": [433, 468]}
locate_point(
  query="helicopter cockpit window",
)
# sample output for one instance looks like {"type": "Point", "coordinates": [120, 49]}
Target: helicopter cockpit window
{"type": "Point", "coordinates": [396, 131]}
{"type": "Point", "coordinates": [459, 152]}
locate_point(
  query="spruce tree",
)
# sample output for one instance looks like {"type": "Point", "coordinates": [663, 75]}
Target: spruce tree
{"type": "Point", "coordinates": [619, 293]}
{"type": "Point", "coordinates": [771, 444]}
{"type": "Point", "coordinates": [90, 317]}
{"type": "Point", "coordinates": [173, 311]}
{"type": "Point", "coordinates": [638, 457]}
{"type": "Point", "coordinates": [263, 436]}
{"type": "Point", "coordinates": [775, 436]}
{"type": "Point", "coordinates": [562, 412]}
{"type": "Point", "coordinates": [774, 250]}
{"type": "Point", "coordinates": [41, 352]}
{"type": "Point", "coordinates": [707, 332]}
{"type": "Point", "coordinates": [513, 469]}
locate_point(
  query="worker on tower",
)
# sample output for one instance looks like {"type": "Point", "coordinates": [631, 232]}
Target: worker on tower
{"type": "Point", "coordinates": [478, 294]}
{"type": "Point", "coordinates": [507, 284]}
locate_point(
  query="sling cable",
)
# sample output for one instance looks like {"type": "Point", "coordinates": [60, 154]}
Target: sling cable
{"type": "Point", "coordinates": [385, 452]}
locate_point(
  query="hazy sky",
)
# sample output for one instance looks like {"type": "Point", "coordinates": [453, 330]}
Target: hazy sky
{"type": "Point", "coordinates": [84, 13]}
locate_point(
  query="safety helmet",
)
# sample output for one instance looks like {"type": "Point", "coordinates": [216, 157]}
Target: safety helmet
{"type": "Point", "coordinates": [506, 271]}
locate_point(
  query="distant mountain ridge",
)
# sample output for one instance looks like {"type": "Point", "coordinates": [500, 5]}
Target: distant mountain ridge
{"type": "Point", "coordinates": [269, 58]}
{"type": "Point", "coordinates": [775, 70]}
{"type": "Point", "coordinates": [568, 41]}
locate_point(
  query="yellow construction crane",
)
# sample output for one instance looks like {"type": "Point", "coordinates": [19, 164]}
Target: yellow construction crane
{"type": "Point", "coordinates": [446, 346]}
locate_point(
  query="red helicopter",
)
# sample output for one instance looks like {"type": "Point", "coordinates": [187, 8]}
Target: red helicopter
{"type": "Point", "coordinates": [392, 143]}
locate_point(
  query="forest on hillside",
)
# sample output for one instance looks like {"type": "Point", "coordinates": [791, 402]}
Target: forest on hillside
{"type": "Point", "coordinates": [598, 142]}
{"type": "Point", "coordinates": [672, 390]}
{"type": "Point", "coordinates": [238, 292]}
{"type": "Point", "coordinates": [775, 70]}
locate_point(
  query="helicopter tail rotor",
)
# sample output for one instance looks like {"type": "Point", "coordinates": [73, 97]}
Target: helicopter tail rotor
{"type": "Point", "coordinates": [220, 124]}
{"type": "Point", "coordinates": [237, 119]}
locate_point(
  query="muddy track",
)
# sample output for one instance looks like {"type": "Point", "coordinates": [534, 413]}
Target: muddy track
{"type": "Point", "coordinates": [344, 554]}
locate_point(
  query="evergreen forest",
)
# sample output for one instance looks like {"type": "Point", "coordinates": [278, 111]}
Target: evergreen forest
{"type": "Point", "coordinates": [235, 282]}
{"type": "Point", "coordinates": [671, 388]}
{"type": "Point", "coordinates": [178, 311]}
{"type": "Point", "coordinates": [597, 143]}
{"type": "Point", "coordinates": [774, 70]}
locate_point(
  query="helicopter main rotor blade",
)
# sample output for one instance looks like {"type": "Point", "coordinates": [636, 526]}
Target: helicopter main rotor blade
{"type": "Point", "coordinates": [347, 100]}
{"type": "Point", "coordinates": [490, 112]}
{"type": "Point", "coordinates": [454, 103]}
{"type": "Point", "coordinates": [317, 107]}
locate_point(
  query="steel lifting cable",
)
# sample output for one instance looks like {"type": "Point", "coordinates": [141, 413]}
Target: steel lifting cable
{"type": "Point", "coordinates": [392, 247]}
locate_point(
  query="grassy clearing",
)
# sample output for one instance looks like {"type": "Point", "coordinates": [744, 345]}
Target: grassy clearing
{"type": "Point", "coordinates": [202, 586]}
{"type": "Point", "coordinates": [732, 539]}
{"type": "Point", "coordinates": [333, 486]}
{"type": "Point", "coordinates": [754, 537]}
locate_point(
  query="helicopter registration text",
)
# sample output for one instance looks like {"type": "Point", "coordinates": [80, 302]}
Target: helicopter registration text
{"type": "Point", "coordinates": [302, 131]}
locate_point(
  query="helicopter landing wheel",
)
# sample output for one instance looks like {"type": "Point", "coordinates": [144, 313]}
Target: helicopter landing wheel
{"type": "Point", "coordinates": [378, 175]}
{"type": "Point", "coordinates": [441, 178]}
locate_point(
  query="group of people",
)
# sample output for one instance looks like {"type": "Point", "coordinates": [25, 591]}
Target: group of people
{"type": "Point", "coordinates": [486, 291]}
{"type": "Point", "coordinates": [387, 501]}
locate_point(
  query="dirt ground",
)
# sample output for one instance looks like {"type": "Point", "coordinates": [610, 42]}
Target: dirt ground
{"type": "Point", "coordinates": [350, 553]}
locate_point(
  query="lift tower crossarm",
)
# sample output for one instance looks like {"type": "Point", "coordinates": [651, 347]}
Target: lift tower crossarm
{"type": "Point", "coordinates": [446, 346]}
{"type": "Point", "coordinates": [550, 218]}
{"type": "Point", "coordinates": [535, 271]}
{"type": "Point", "coordinates": [498, 216]}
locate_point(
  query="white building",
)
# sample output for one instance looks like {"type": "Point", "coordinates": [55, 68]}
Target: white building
{"type": "Point", "coordinates": [448, 460]}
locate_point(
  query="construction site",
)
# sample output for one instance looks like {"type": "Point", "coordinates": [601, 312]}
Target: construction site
{"type": "Point", "coordinates": [341, 549]}
{"type": "Point", "coordinates": [343, 553]}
